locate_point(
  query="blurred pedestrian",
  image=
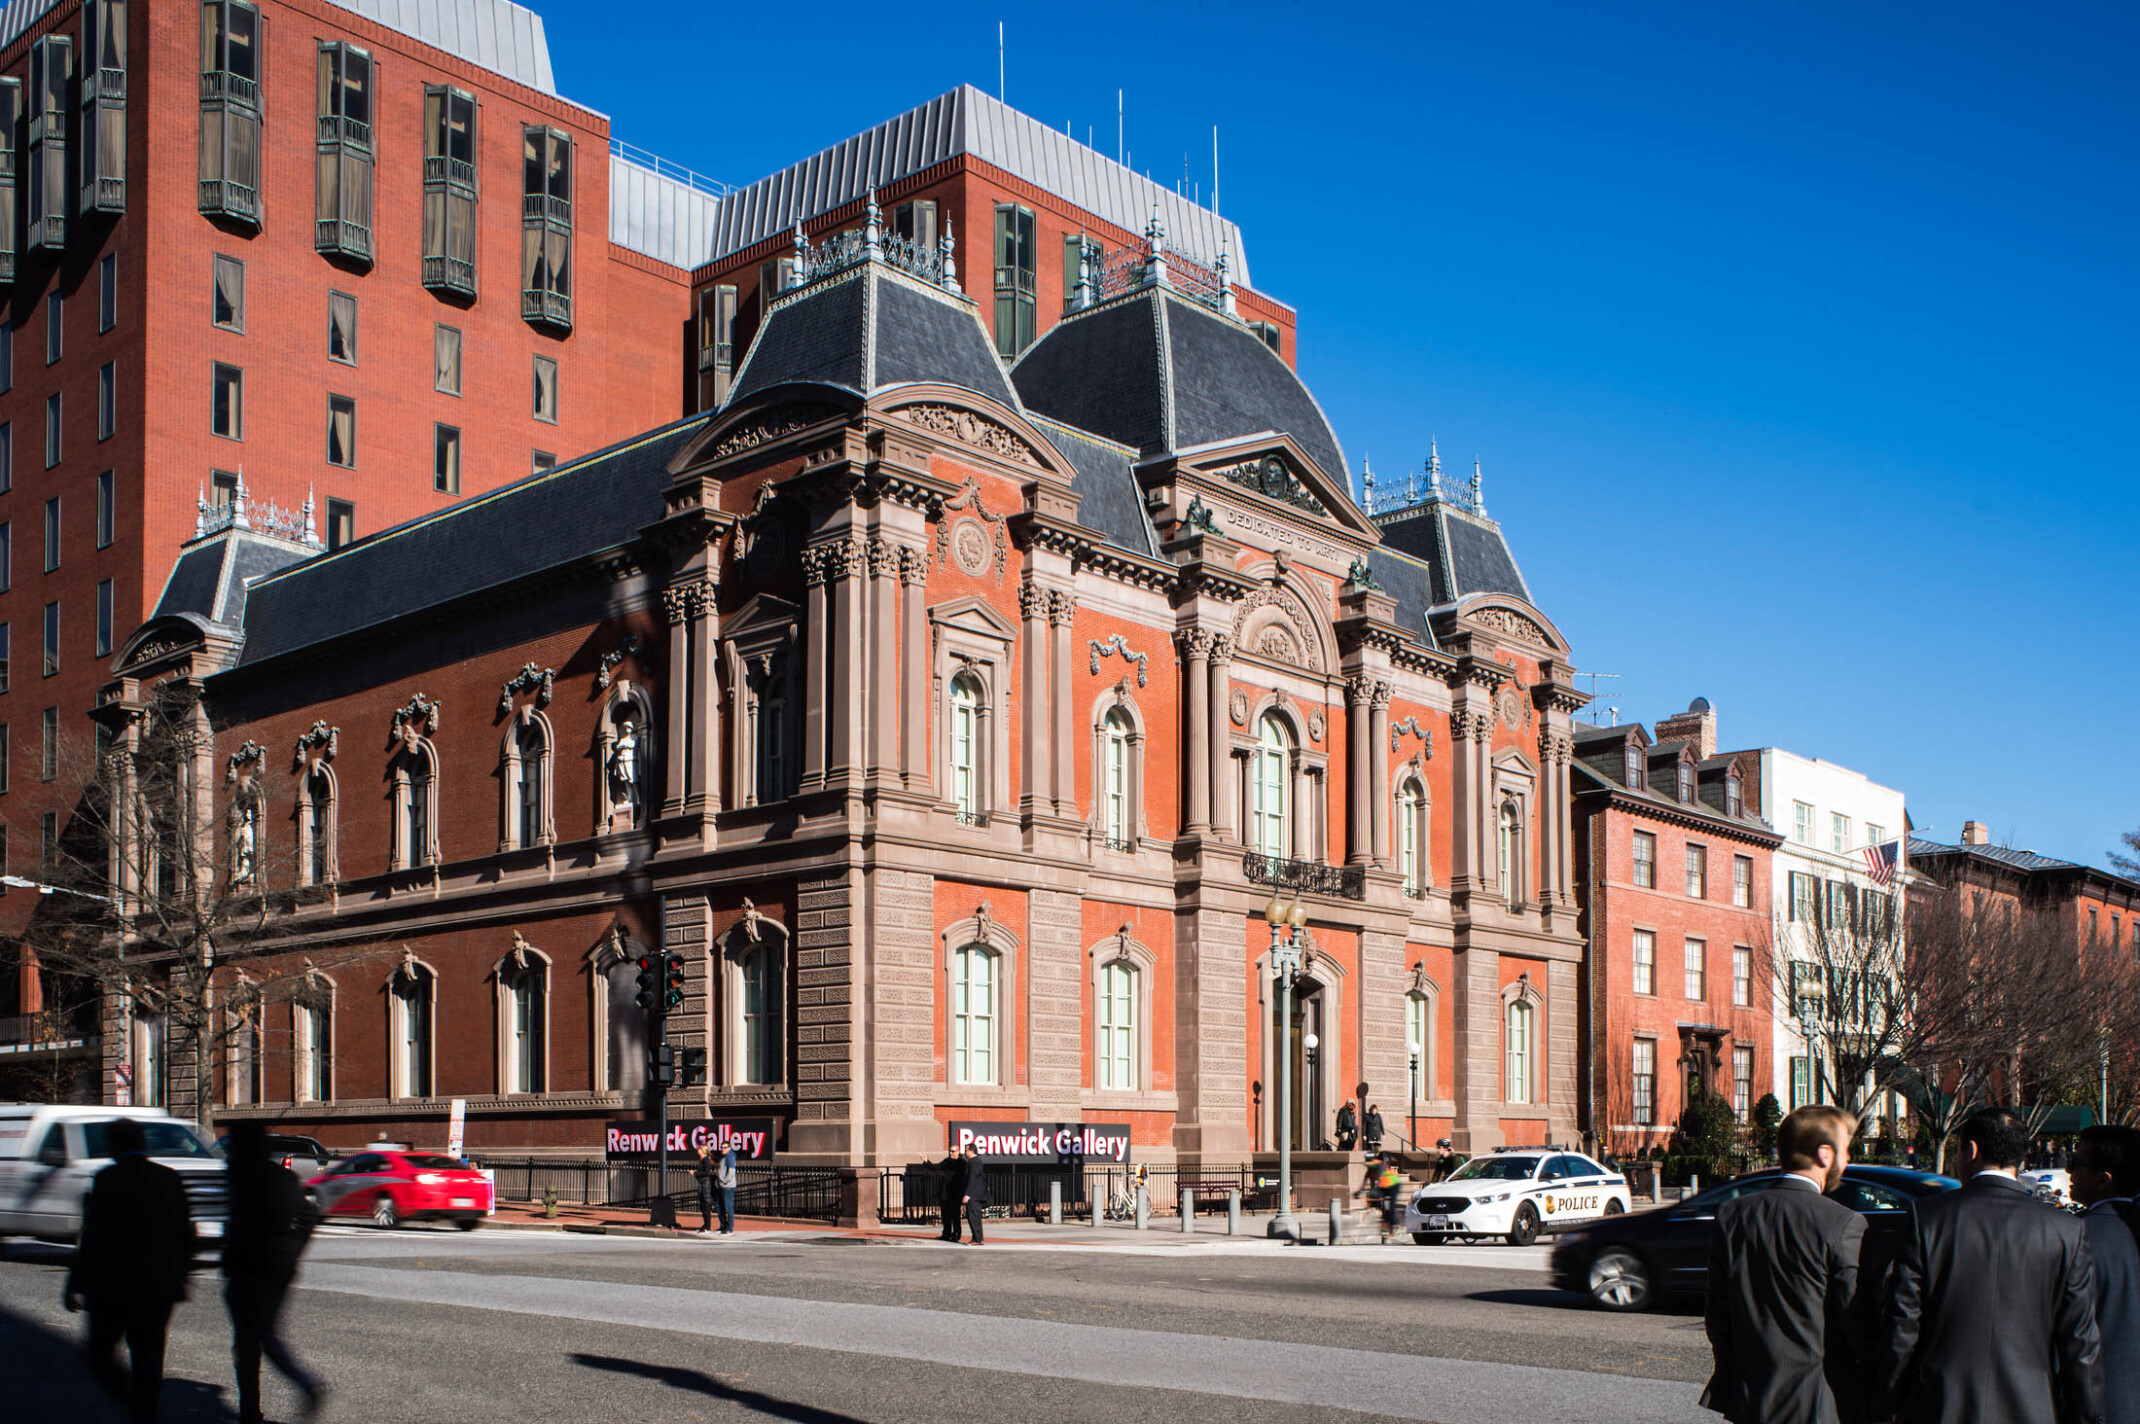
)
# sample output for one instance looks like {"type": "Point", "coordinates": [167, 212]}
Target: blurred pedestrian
{"type": "Point", "coordinates": [950, 1199]}
{"type": "Point", "coordinates": [702, 1178]}
{"type": "Point", "coordinates": [270, 1222]}
{"type": "Point", "coordinates": [1348, 1127]}
{"type": "Point", "coordinates": [724, 1182]}
{"type": "Point", "coordinates": [973, 1191]}
{"type": "Point", "coordinates": [2106, 1173]}
{"type": "Point", "coordinates": [130, 1266]}
{"type": "Point", "coordinates": [1371, 1128]}
{"type": "Point", "coordinates": [1990, 1311]}
{"type": "Point", "coordinates": [1783, 1278]}
{"type": "Point", "coordinates": [1388, 1182]}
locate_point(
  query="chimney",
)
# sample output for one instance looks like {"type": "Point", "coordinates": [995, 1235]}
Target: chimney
{"type": "Point", "coordinates": [1697, 724]}
{"type": "Point", "coordinates": [1975, 833]}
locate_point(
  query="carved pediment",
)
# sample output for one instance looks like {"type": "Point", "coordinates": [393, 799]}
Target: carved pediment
{"type": "Point", "coordinates": [973, 615]}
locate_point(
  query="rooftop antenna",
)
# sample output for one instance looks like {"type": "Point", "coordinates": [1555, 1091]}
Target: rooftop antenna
{"type": "Point", "coordinates": [1214, 170]}
{"type": "Point", "coordinates": [1121, 153]}
{"type": "Point", "coordinates": [1594, 676]}
{"type": "Point", "coordinates": [999, 61]}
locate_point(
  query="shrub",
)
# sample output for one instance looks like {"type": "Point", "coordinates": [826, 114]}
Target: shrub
{"type": "Point", "coordinates": [1762, 1123]}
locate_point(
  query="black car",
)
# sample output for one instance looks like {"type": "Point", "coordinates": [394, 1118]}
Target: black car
{"type": "Point", "coordinates": [1625, 1262]}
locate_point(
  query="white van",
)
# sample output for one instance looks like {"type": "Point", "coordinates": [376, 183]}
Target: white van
{"type": "Point", "coordinates": [50, 1153]}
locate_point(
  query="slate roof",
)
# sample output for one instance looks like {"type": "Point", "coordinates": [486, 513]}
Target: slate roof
{"type": "Point", "coordinates": [2025, 861]}
{"type": "Point", "coordinates": [1160, 372]}
{"type": "Point", "coordinates": [210, 579]}
{"type": "Point", "coordinates": [870, 327]}
{"type": "Point", "coordinates": [1411, 583]}
{"type": "Point", "coordinates": [1108, 496]}
{"type": "Point", "coordinates": [1601, 764]}
{"type": "Point", "coordinates": [1467, 552]}
{"type": "Point", "coordinates": [546, 521]}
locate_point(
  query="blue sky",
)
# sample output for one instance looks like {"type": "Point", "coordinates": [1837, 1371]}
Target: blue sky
{"type": "Point", "coordinates": [1797, 344]}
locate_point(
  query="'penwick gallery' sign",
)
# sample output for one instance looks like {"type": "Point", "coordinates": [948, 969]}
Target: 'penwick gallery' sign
{"type": "Point", "coordinates": [639, 1143]}
{"type": "Point", "coordinates": [1049, 1144]}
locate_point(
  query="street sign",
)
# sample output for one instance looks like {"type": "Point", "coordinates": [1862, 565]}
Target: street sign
{"type": "Point", "coordinates": [456, 1127]}
{"type": "Point", "coordinates": [1043, 1143]}
{"type": "Point", "coordinates": [122, 1092]}
{"type": "Point", "coordinates": [640, 1143]}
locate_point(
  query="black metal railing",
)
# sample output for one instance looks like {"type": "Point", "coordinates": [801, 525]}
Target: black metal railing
{"type": "Point", "coordinates": [915, 1194]}
{"type": "Point", "coordinates": [767, 1189]}
{"type": "Point", "coordinates": [1346, 882]}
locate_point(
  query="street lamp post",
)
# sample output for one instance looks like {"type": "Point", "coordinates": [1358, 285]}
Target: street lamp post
{"type": "Point", "coordinates": [1411, 1118]}
{"type": "Point", "coordinates": [1285, 921]}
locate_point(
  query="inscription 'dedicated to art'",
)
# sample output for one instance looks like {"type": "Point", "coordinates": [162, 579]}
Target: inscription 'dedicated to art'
{"type": "Point", "coordinates": [1241, 521]}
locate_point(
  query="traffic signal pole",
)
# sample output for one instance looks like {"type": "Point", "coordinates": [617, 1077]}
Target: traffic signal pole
{"type": "Point", "coordinates": [653, 999]}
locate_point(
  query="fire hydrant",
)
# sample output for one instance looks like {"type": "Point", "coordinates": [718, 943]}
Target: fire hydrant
{"type": "Point", "coordinates": [549, 1201]}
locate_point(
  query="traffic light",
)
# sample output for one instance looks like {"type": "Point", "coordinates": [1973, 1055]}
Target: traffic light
{"type": "Point", "coordinates": [649, 983]}
{"type": "Point", "coordinates": [673, 997]}
{"type": "Point", "coordinates": [694, 1067]}
{"type": "Point", "coordinates": [664, 1064]}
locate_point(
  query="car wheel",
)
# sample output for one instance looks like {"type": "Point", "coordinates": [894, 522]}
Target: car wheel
{"type": "Point", "coordinates": [1619, 1280]}
{"type": "Point", "coordinates": [1524, 1229]}
{"type": "Point", "coordinates": [1614, 1208]}
{"type": "Point", "coordinates": [467, 1223]}
{"type": "Point", "coordinates": [383, 1213]}
{"type": "Point", "coordinates": [1429, 1238]}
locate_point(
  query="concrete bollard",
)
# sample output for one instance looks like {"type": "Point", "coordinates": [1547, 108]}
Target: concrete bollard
{"type": "Point", "coordinates": [1694, 1185]}
{"type": "Point", "coordinates": [1188, 1211]}
{"type": "Point", "coordinates": [1055, 1203]}
{"type": "Point", "coordinates": [1337, 1220]}
{"type": "Point", "coordinates": [1096, 1198]}
{"type": "Point", "coordinates": [1143, 1206]}
{"type": "Point", "coordinates": [1233, 1212]}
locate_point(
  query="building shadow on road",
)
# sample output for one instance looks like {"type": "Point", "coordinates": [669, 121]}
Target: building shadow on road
{"type": "Point", "coordinates": [41, 1377]}
{"type": "Point", "coordinates": [676, 1377]}
{"type": "Point", "coordinates": [1549, 1299]}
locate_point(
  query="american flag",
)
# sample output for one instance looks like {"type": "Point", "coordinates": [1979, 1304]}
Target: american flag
{"type": "Point", "coordinates": [1880, 861]}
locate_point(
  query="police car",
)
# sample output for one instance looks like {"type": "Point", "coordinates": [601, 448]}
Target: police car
{"type": "Point", "coordinates": [1518, 1194]}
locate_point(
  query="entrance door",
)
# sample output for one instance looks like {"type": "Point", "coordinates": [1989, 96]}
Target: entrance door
{"type": "Point", "coordinates": [1309, 1126]}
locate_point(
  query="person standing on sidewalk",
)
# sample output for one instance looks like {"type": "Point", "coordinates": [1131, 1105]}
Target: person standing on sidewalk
{"type": "Point", "coordinates": [1348, 1127]}
{"type": "Point", "coordinates": [270, 1222]}
{"type": "Point", "coordinates": [130, 1266]}
{"type": "Point", "coordinates": [702, 1177]}
{"type": "Point", "coordinates": [1371, 1128]}
{"type": "Point", "coordinates": [724, 1182]}
{"type": "Point", "coordinates": [2106, 1174]}
{"type": "Point", "coordinates": [950, 1194]}
{"type": "Point", "coordinates": [973, 1191]}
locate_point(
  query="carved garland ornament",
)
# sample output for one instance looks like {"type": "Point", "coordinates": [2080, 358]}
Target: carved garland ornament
{"type": "Point", "coordinates": [418, 719]}
{"type": "Point", "coordinates": [541, 681]}
{"type": "Point", "coordinates": [1411, 725]}
{"type": "Point", "coordinates": [322, 738]}
{"type": "Point", "coordinates": [1117, 644]}
{"type": "Point", "coordinates": [768, 427]}
{"type": "Point", "coordinates": [251, 755]}
{"type": "Point", "coordinates": [632, 647]}
{"type": "Point", "coordinates": [970, 429]}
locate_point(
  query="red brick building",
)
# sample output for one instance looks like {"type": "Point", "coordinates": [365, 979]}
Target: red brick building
{"type": "Point", "coordinates": [1674, 884]}
{"type": "Point", "coordinates": [2100, 909]}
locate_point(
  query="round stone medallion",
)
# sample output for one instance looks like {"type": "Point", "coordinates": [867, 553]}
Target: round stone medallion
{"type": "Point", "coordinates": [969, 546]}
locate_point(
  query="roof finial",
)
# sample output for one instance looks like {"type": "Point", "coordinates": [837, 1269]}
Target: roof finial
{"type": "Point", "coordinates": [1434, 467]}
{"type": "Point", "coordinates": [1081, 293]}
{"type": "Point", "coordinates": [308, 535]}
{"type": "Point", "coordinates": [1367, 482]}
{"type": "Point", "coordinates": [1226, 302]}
{"type": "Point", "coordinates": [1155, 249]}
{"type": "Point", "coordinates": [872, 225]}
{"type": "Point", "coordinates": [200, 511]}
{"type": "Point", "coordinates": [801, 259]}
{"type": "Point", "coordinates": [945, 244]}
{"type": "Point", "coordinates": [237, 503]}
{"type": "Point", "coordinates": [1478, 487]}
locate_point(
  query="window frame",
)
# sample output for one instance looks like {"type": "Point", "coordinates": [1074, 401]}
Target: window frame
{"type": "Point", "coordinates": [1273, 760]}
{"type": "Point", "coordinates": [339, 511]}
{"type": "Point", "coordinates": [1742, 976]}
{"type": "Point", "coordinates": [107, 292]}
{"type": "Point", "coordinates": [342, 301]}
{"type": "Point", "coordinates": [107, 400]}
{"type": "Point", "coordinates": [414, 774]}
{"type": "Point", "coordinates": [1697, 871]}
{"type": "Point", "coordinates": [217, 294]}
{"type": "Point", "coordinates": [1694, 966]}
{"type": "Point", "coordinates": [55, 326]}
{"type": "Point", "coordinates": [224, 376]}
{"type": "Point", "coordinates": [1016, 284]}
{"type": "Point", "coordinates": [104, 618]}
{"type": "Point", "coordinates": [336, 404]}
{"type": "Point", "coordinates": [444, 337]}
{"type": "Point", "coordinates": [522, 980]}
{"type": "Point", "coordinates": [1742, 882]}
{"type": "Point", "coordinates": [446, 473]}
{"type": "Point", "coordinates": [317, 824]}
{"type": "Point", "coordinates": [527, 793]}
{"type": "Point", "coordinates": [55, 431]}
{"type": "Point", "coordinates": [1642, 860]}
{"type": "Point", "coordinates": [52, 533]}
{"type": "Point", "coordinates": [960, 1049]}
{"type": "Point", "coordinates": [412, 985]}
{"type": "Point", "coordinates": [1519, 1065]}
{"type": "Point", "coordinates": [1642, 1085]}
{"type": "Point", "coordinates": [312, 1062]}
{"type": "Point", "coordinates": [546, 416]}
{"type": "Point", "coordinates": [1643, 977]}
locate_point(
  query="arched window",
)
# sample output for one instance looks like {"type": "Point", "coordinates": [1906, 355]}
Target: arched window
{"type": "Point", "coordinates": [1271, 765]}
{"type": "Point", "coordinates": [1509, 863]}
{"type": "Point", "coordinates": [761, 1015]}
{"type": "Point", "coordinates": [966, 747]}
{"type": "Point", "coordinates": [415, 805]}
{"type": "Point", "coordinates": [1631, 770]}
{"type": "Point", "coordinates": [413, 989]}
{"type": "Point", "coordinates": [1114, 780]}
{"type": "Point", "coordinates": [1734, 796]}
{"type": "Point", "coordinates": [1412, 836]}
{"type": "Point", "coordinates": [245, 1055]}
{"type": "Point", "coordinates": [1118, 1026]}
{"type": "Point", "coordinates": [534, 749]}
{"type": "Point", "coordinates": [315, 827]}
{"type": "Point", "coordinates": [1419, 1030]}
{"type": "Point", "coordinates": [150, 1060]}
{"type": "Point", "coordinates": [524, 1023]}
{"type": "Point", "coordinates": [771, 723]}
{"type": "Point", "coordinates": [312, 1016]}
{"type": "Point", "coordinates": [1518, 1084]}
{"type": "Point", "coordinates": [973, 1015]}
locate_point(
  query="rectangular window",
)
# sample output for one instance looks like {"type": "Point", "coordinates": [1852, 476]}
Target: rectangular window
{"type": "Point", "coordinates": [1801, 1084]}
{"type": "Point", "coordinates": [51, 73]}
{"type": "Point", "coordinates": [51, 534]}
{"type": "Point", "coordinates": [52, 430]}
{"type": "Point", "coordinates": [1801, 823]}
{"type": "Point", "coordinates": [446, 459]}
{"type": "Point", "coordinates": [229, 293]}
{"type": "Point", "coordinates": [1017, 256]}
{"type": "Point", "coordinates": [546, 227]}
{"type": "Point", "coordinates": [6, 654]}
{"type": "Point", "coordinates": [108, 291]}
{"type": "Point", "coordinates": [107, 512]}
{"type": "Point", "coordinates": [1742, 882]}
{"type": "Point", "coordinates": [48, 841]}
{"type": "Point", "coordinates": [342, 328]}
{"type": "Point", "coordinates": [228, 414]}
{"type": "Point", "coordinates": [1645, 962]}
{"type": "Point", "coordinates": [1073, 269]}
{"type": "Point", "coordinates": [3, 770]}
{"type": "Point", "coordinates": [449, 190]}
{"type": "Point", "coordinates": [916, 223]}
{"type": "Point", "coordinates": [1697, 873]}
{"type": "Point", "coordinates": [7, 455]}
{"type": "Point", "coordinates": [104, 613]}
{"type": "Point", "coordinates": [1875, 834]}
{"type": "Point", "coordinates": [1645, 1082]}
{"type": "Point", "coordinates": [107, 399]}
{"type": "Point", "coordinates": [10, 123]}
{"type": "Point", "coordinates": [7, 356]}
{"type": "Point", "coordinates": [546, 389]}
{"type": "Point", "coordinates": [1805, 899]}
{"type": "Point", "coordinates": [544, 460]}
{"type": "Point", "coordinates": [341, 431]}
{"type": "Point", "coordinates": [222, 488]}
{"type": "Point", "coordinates": [103, 100]}
{"type": "Point", "coordinates": [716, 343]}
{"type": "Point", "coordinates": [230, 111]}
{"type": "Point", "coordinates": [7, 552]}
{"type": "Point", "coordinates": [446, 360]}
{"type": "Point", "coordinates": [48, 745]}
{"type": "Point", "coordinates": [1742, 1082]}
{"type": "Point", "coordinates": [341, 523]}
{"type": "Point", "coordinates": [1838, 833]}
{"type": "Point", "coordinates": [342, 207]}
{"type": "Point", "coordinates": [1695, 958]}
{"type": "Point", "coordinates": [55, 327]}
{"type": "Point", "coordinates": [1645, 860]}
{"type": "Point", "coordinates": [52, 638]}
{"type": "Point", "coordinates": [1742, 976]}
{"type": "Point", "coordinates": [1838, 905]}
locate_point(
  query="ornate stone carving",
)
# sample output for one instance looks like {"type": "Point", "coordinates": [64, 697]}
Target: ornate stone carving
{"type": "Point", "coordinates": [768, 427]}
{"type": "Point", "coordinates": [1197, 643]}
{"type": "Point", "coordinates": [969, 498]}
{"type": "Point", "coordinates": [1271, 478]}
{"type": "Point", "coordinates": [1062, 607]}
{"type": "Point", "coordinates": [252, 755]}
{"type": "Point", "coordinates": [1380, 694]}
{"type": "Point", "coordinates": [1556, 747]}
{"type": "Point", "coordinates": [970, 429]}
{"type": "Point", "coordinates": [1411, 725]}
{"type": "Point", "coordinates": [541, 681]}
{"type": "Point", "coordinates": [322, 738]}
{"type": "Point", "coordinates": [634, 647]}
{"type": "Point", "coordinates": [418, 719]}
{"type": "Point", "coordinates": [969, 547]}
{"type": "Point", "coordinates": [913, 566]}
{"type": "Point", "coordinates": [1300, 619]}
{"type": "Point", "coordinates": [1359, 576]}
{"type": "Point", "coordinates": [1032, 602]}
{"type": "Point", "coordinates": [883, 559]}
{"type": "Point", "coordinates": [1118, 644]}
{"type": "Point", "coordinates": [689, 599]}
{"type": "Point", "coordinates": [1359, 689]}
{"type": "Point", "coordinates": [817, 562]}
{"type": "Point", "coordinates": [1514, 707]}
{"type": "Point", "coordinates": [1316, 726]}
{"type": "Point", "coordinates": [1471, 726]}
{"type": "Point", "coordinates": [1512, 624]}
{"type": "Point", "coordinates": [1237, 707]}
{"type": "Point", "coordinates": [1198, 518]}
{"type": "Point", "coordinates": [1279, 643]}
{"type": "Point", "coordinates": [1222, 647]}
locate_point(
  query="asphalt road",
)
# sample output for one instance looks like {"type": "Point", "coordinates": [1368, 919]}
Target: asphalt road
{"type": "Point", "coordinates": [434, 1326]}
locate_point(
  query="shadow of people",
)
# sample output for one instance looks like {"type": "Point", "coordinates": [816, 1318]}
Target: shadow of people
{"type": "Point", "coordinates": [41, 1377]}
{"type": "Point", "coordinates": [677, 1377]}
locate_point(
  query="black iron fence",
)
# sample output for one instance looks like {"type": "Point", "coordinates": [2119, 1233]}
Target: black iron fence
{"type": "Point", "coordinates": [915, 1194]}
{"type": "Point", "coordinates": [762, 1189]}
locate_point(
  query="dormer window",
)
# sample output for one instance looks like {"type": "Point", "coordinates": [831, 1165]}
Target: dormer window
{"type": "Point", "coordinates": [1632, 773]}
{"type": "Point", "coordinates": [1686, 784]}
{"type": "Point", "coordinates": [1734, 799]}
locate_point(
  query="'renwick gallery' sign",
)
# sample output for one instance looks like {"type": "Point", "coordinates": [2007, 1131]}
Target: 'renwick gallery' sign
{"type": "Point", "coordinates": [639, 1143]}
{"type": "Point", "coordinates": [1050, 1144]}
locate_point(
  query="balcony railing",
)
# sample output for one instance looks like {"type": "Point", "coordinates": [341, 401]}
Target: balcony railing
{"type": "Point", "coordinates": [103, 195]}
{"type": "Point", "coordinates": [551, 308]}
{"type": "Point", "coordinates": [541, 207]}
{"type": "Point", "coordinates": [457, 171]}
{"type": "Point", "coordinates": [48, 233]}
{"type": "Point", "coordinates": [450, 274]}
{"type": "Point", "coordinates": [226, 197]}
{"type": "Point", "coordinates": [340, 236]}
{"type": "Point", "coordinates": [971, 818]}
{"type": "Point", "coordinates": [1344, 882]}
{"type": "Point", "coordinates": [1119, 845]}
{"type": "Point", "coordinates": [334, 128]}
{"type": "Point", "coordinates": [220, 85]}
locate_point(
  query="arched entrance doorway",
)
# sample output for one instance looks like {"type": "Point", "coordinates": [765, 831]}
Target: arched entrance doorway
{"type": "Point", "coordinates": [1310, 1125]}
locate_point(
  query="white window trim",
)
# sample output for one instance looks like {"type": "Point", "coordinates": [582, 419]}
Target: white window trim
{"type": "Point", "coordinates": [405, 856]}
{"type": "Point", "coordinates": [1304, 834]}
{"type": "Point", "coordinates": [738, 945]}
{"type": "Point", "coordinates": [762, 639]}
{"type": "Point", "coordinates": [969, 636]}
{"type": "Point", "coordinates": [317, 766]}
{"type": "Point", "coordinates": [304, 1048]}
{"type": "Point", "coordinates": [1515, 780]}
{"type": "Point", "coordinates": [988, 933]}
{"type": "Point", "coordinates": [1634, 962]}
{"type": "Point", "coordinates": [614, 948]}
{"type": "Point", "coordinates": [505, 975]}
{"type": "Point", "coordinates": [1124, 948]}
{"type": "Point", "coordinates": [396, 1058]}
{"type": "Point", "coordinates": [1698, 963]}
{"type": "Point", "coordinates": [1116, 699]}
{"type": "Point", "coordinates": [514, 773]}
{"type": "Point", "coordinates": [1418, 817]}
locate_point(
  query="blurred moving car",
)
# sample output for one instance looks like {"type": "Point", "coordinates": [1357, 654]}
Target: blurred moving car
{"type": "Point", "coordinates": [1517, 1195]}
{"type": "Point", "coordinates": [49, 1153]}
{"type": "Point", "coordinates": [2053, 1184]}
{"type": "Point", "coordinates": [1631, 1261]}
{"type": "Point", "coordinates": [303, 1155]}
{"type": "Point", "coordinates": [393, 1187]}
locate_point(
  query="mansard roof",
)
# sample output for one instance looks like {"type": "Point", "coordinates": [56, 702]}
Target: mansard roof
{"type": "Point", "coordinates": [1161, 372]}
{"type": "Point", "coordinates": [1466, 551]}
{"type": "Point", "coordinates": [549, 520]}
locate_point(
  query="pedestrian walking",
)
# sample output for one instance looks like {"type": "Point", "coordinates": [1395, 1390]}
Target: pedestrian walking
{"type": "Point", "coordinates": [724, 1182]}
{"type": "Point", "coordinates": [2106, 1174]}
{"type": "Point", "coordinates": [1371, 1128]}
{"type": "Point", "coordinates": [1388, 1183]}
{"type": "Point", "coordinates": [1990, 1311]}
{"type": "Point", "coordinates": [951, 1199]}
{"type": "Point", "coordinates": [1348, 1127]}
{"type": "Point", "coordinates": [130, 1267]}
{"type": "Point", "coordinates": [1448, 1163]}
{"type": "Point", "coordinates": [973, 1191]}
{"type": "Point", "coordinates": [270, 1222]}
{"type": "Point", "coordinates": [702, 1178]}
{"type": "Point", "coordinates": [1783, 1278]}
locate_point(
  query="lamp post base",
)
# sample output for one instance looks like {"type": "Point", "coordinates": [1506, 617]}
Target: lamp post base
{"type": "Point", "coordinates": [1283, 1226]}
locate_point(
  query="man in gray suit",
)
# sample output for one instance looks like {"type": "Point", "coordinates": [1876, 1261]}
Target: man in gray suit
{"type": "Point", "coordinates": [1783, 1276]}
{"type": "Point", "coordinates": [1990, 1313]}
{"type": "Point", "coordinates": [2106, 1173]}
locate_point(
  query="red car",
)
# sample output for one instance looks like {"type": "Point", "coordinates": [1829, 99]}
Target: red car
{"type": "Point", "coordinates": [392, 1187]}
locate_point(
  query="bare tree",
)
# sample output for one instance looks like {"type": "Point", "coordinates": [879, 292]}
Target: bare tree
{"type": "Point", "coordinates": [2128, 864]}
{"type": "Point", "coordinates": [1838, 964]}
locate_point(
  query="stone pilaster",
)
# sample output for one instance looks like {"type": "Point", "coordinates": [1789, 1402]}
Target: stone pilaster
{"type": "Point", "coordinates": [906, 962]}
{"type": "Point", "coordinates": [1477, 992]}
{"type": "Point", "coordinates": [847, 652]}
{"type": "Point", "coordinates": [1035, 793]}
{"type": "Point", "coordinates": [1563, 1050]}
{"type": "Point", "coordinates": [1055, 1017]}
{"type": "Point", "coordinates": [687, 929]}
{"type": "Point", "coordinates": [1383, 985]}
{"type": "Point", "coordinates": [914, 669]}
{"type": "Point", "coordinates": [825, 1049]}
{"type": "Point", "coordinates": [1211, 997]}
{"type": "Point", "coordinates": [1196, 646]}
{"type": "Point", "coordinates": [1360, 754]}
{"type": "Point", "coordinates": [881, 705]}
{"type": "Point", "coordinates": [1062, 740]}
{"type": "Point", "coordinates": [817, 562]}
{"type": "Point", "coordinates": [1378, 779]}
{"type": "Point", "coordinates": [1471, 786]}
{"type": "Point", "coordinates": [1225, 817]}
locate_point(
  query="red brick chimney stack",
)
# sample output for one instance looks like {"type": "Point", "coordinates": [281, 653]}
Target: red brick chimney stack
{"type": "Point", "coordinates": [1975, 833]}
{"type": "Point", "coordinates": [1697, 724]}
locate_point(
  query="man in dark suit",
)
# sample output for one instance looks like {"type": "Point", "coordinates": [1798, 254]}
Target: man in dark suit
{"type": "Point", "coordinates": [130, 1266]}
{"type": "Point", "coordinates": [952, 1199]}
{"type": "Point", "coordinates": [1783, 1275]}
{"type": "Point", "coordinates": [2106, 1176]}
{"type": "Point", "coordinates": [973, 1191]}
{"type": "Point", "coordinates": [270, 1222]}
{"type": "Point", "coordinates": [1990, 1314]}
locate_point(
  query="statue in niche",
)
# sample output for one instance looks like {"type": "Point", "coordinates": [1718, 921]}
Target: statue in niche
{"type": "Point", "coordinates": [626, 792]}
{"type": "Point", "coordinates": [244, 841]}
